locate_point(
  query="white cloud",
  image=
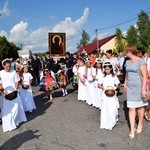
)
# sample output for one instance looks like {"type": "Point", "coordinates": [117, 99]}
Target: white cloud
{"type": "Point", "coordinates": [72, 29]}
{"type": "Point", "coordinates": [38, 39]}
{"type": "Point", "coordinates": [33, 40]}
{"type": "Point", "coordinates": [19, 32]}
{"type": "Point", "coordinates": [5, 11]}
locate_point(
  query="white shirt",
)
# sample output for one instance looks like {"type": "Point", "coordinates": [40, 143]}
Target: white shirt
{"type": "Point", "coordinates": [75, 69]}
{"type": "Point", "coordinates": [81, 71]}
{"type": "Point", "coordinates": [27, 77]}
{"type": "Point", "coordinates": [109, 80]}
{"type": "Point", "coordinates": [8, 79]}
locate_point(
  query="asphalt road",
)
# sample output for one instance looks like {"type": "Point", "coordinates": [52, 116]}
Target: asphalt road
{"type": "Point", "coordinates": [67, 124]}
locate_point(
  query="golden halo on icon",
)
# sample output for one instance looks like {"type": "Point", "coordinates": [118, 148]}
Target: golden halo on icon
{"type": "Point", "coordinates": [60, 41]}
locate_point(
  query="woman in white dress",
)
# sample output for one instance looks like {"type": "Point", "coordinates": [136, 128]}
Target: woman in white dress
{"type": "Point", "coordinates": [82, 90]}
{"type": "Point", "coordinates": [26, 94]}
{"type": "Point", "coordinates": [12, 110]}
{"type": "Point", "coordinates": [110, 105]}
{"type": "Point", "coordinates": [97, 91]}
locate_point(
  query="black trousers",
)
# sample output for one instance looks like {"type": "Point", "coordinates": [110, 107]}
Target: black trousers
{"type": "Point", "coordinates": [36, 77]}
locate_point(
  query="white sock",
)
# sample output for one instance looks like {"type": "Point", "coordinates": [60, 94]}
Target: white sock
{"type": "Point", "coordinates": [51, 96]}
{"type": "Point", "coordinates": [63, 91]}
{"type": "Point", "coordinates": [66, 92]}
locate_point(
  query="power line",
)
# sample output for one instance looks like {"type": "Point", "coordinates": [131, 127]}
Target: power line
{"type": "Point", "coordinates": [128, 18]}
{"type": "Point", "coordinates": [118, 24]}
{"type": "Point", "coordinates": [115, 25]}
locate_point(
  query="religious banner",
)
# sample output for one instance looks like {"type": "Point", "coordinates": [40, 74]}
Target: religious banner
{"type": "Point", "coordinates": [57, 44]}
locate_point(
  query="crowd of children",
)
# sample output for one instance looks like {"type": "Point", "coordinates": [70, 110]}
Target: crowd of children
{"type": "Point", "coordinates": [14, 107]}
{"type": "Point", "coordinates": [93, 82]}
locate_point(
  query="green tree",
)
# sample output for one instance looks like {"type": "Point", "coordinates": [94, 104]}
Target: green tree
{"type": "Point", "coordinates": [119, 42]}
{"type": "Point", "coordinates": [132, 36]}
{"type": "Point", "coordinates": [84, 40]}
{"type": "Point", "coordinates": [95, 39]}
{"type": "Point", "coordinates": [143, 25]}
{"type": "Point", "coordinates": [7, 49]}
{"type": "Point", "coordinates": [41, 54]}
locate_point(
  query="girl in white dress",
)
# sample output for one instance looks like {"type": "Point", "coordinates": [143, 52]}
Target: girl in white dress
{"type": "Point", "coordinates": [97, 91]}
{"type": "Point", "coordinates": [90, 74]}
{"type": "Point", "coordinates": [82, 91]}
{"type": "Point", "coordinates": [110, 105]}
{"type": "Point", "coordinates": [26, 94]}
{"type": "Point", "coordinates": [12, 110]}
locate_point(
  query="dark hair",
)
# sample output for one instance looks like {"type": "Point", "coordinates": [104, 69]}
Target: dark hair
{"type": "Point", "coordinates": [6, 62]}
{"type": "Point", "coordinates": [107, 64]}
{"type": "Point", "coordinates": [98, 62]}
{"type": "Point", "coordinates": [82, 60]}
{"type": "Point", "coordinates": [109, 51]}
{"type": "Point", "coordinates": [141, 50]}
{"type": "Point", "coordinates": [95, 66]}
{"type": "Point", "coordinates": [46, 71]}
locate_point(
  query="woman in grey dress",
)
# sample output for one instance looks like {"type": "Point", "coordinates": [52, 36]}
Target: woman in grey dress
{"type": "Point", "coordinates": [135, 86]}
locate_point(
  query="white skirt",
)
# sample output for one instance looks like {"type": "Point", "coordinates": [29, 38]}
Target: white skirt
{"type": "Point", "coordinates": [27, 99]}
{"type": "Point", "coordinates": [109, 112]}
{"type": "Point", "coordinates": [90, 93]}
{"type": "Point", "coordinates": [12, 114]}
{"type": "Point", "coordinates": [82, 91]}
{"type": "Point", "coordinates": [97, 98]}
{"type": "Point", "coordinates": [131, 104]}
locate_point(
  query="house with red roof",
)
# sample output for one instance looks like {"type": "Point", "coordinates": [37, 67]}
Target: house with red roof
{"type": "Point", "coordinates": [103, 45]}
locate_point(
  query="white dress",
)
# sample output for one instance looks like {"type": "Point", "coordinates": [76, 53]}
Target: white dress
{"type": "Point", "coordinates": [26, 95]}
{"type": "Point", "coordinates": [90, 85]}
{"type": "Point", "coordinates": [82, 90]}
{"type": "Point", "coordinates": [110, 105]}
{"type": "Point", "coordinates": [12, 111]}
{"type": "Point", "coordinates": [97, 99]}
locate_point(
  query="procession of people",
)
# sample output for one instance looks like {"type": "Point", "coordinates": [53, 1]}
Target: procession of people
{"type": "Point", "coordinates": [97, 78]}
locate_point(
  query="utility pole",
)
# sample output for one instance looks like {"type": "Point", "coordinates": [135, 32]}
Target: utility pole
{"type": "Point", "coordinates": [97, 48]}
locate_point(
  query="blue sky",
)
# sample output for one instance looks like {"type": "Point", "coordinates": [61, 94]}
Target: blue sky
{"type": "Point", "coordinates": [27, 22]}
